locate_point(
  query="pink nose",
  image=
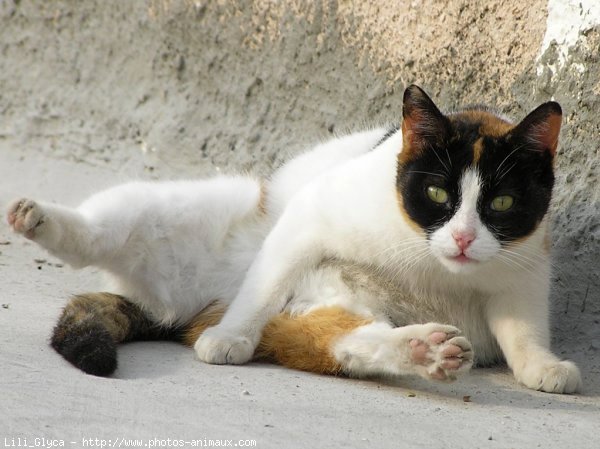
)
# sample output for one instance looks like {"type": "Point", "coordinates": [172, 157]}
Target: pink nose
{"type": "Point", "coordinates": [463, 239]}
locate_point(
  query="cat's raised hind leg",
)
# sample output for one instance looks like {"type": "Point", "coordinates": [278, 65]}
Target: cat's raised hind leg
{"type": "Point", "coordinates": [63, 231]}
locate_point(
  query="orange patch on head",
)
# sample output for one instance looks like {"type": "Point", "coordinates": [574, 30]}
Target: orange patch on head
{"type": "Point", "coordinates": [489, 124]}
{"type": "Point", "coordinates": [477, 150]}
{"type": "Point", "coordinates": [407, 218]}
{"type": "Point", "coordinates": [410, 149]}
{"type": "Point", "coordinates": [546, 133]}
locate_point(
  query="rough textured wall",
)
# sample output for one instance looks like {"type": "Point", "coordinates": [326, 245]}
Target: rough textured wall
{"type": "Point", "coordinates": [163, 88]}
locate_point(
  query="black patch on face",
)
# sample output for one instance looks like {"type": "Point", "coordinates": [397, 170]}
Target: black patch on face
{"type": "Point", "coordinates": [441, 164]}
{"type": "Point", "coordinates": [515, 161]}
{"type": "Point", "coordinates": [506, 167]}
{"type": "Point", "coordinates": [513, 167]}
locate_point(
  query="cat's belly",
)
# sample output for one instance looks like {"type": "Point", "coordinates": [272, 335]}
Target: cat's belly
{"type": "Point", "coordinates": [363, 291]}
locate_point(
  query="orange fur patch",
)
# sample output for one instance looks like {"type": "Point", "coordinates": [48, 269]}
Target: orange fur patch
{"type": "Point", "coordinates": [410, 150]}
{"type": "Point", "coordinates": [101, 306]}
{"type": "Point", "coordinates": [477, 150]}
{"type": "Point", "coordinates": [407, 218]}
{"type": "Point", "coordinates": [305, 342]}
{"type": "Point", "coordinates": [548, 134]}
{"type": "Point", "coordinates": [489, 124]}
{"type": "Point", "coordinates": [302, 342]}
{"type": "Point", "coordinates": [208, 317]}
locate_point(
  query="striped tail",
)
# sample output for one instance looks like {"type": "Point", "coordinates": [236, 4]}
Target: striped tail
{"type": "Point", "coordinates": [93, 324]}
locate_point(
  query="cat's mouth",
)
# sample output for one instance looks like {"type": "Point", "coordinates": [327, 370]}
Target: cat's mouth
{"type": "Point", "coordinates": [462, 258]}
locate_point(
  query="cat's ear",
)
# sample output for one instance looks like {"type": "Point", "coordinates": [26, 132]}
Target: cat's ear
{"type": "Point", "coordinates": [422, 122]}
{"type": "Point", "coordinates": [540, 129]}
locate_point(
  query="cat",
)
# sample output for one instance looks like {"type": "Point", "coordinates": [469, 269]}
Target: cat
{"type": "Point", "coordinates": [363, 256]}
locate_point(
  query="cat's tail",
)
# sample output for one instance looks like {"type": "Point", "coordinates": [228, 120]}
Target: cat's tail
{"type": "Point", "coordinates": [93, 324]}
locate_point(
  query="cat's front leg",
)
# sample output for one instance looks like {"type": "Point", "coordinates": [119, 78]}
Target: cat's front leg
{"type": "Point", "coordinates": [292, 246]}
{"type": "Point", "coordinates": [432, 350]}
{"type": "Point", "coordinates": [520, 325]}
{"type": "Point", "coordinates": [60, 230]}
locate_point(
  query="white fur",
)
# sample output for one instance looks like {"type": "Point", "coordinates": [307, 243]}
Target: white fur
{"type": "Point", "coordinates": [378, 348]}
{"type": "Point", "coordinates": [465, 220]}
{"type": "Point", "coordinates": [174, 247]}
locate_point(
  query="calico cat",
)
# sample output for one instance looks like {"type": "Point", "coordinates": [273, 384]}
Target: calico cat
{"type": "Point", "coordinates": [345, 261]}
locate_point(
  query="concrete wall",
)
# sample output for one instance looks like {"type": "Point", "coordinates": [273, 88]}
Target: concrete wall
{"type": "Point", "coordinates": [159, 89]}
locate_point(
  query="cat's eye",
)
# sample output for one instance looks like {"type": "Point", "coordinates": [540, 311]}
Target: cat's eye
{"type": "Point", "coordinates": [437, 194]}
{"type": "Point", "coordinates": [502, 203]}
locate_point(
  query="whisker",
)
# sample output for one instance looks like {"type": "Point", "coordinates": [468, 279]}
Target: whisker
{"type": "Point", "coordinates": [505, 172]}
{"type": "Point", "coordinates": [440, 159]}
{"type": "Point", "coordinates": [392, 254]}
{"type": "Point", "coordinates": [516, 265]}
{"type": "Point", "coordinates": [394, 267]}
{"type": "Point", "coordinates": [427, 173]}
{"type": "Point", "coordinates": [536, 257]}
{"type": "Point", "coordinates": [411, 263]}
{"type": "Point", "coordinates": [407, 263]}
{"type": "Point", "coordinates": [403, 246]}
{"type": "Point", "coordinates": [509, 155]}
{"type": "Point", "coordinates": [530, 262]}
{"type": "Point", "coordinates": [448, 154]}
{"type": "Point", "coordinates": [401, 256]}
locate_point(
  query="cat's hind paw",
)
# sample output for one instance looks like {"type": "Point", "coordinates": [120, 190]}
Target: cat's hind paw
{"type": "Point", "coordinates": [552, 377]}
{"type": "Point", "coordinates": [219, 347]}
{"type": "Point", "coordinates": [441, 353]}
{"type": "Point", "coordinates": [25, 217]}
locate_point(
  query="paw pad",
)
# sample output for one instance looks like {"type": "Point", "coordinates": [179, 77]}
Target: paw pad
{"type": "Point", "coordinates": [25, 216]}
{"type": "Point", "coordinates": [442, 354]}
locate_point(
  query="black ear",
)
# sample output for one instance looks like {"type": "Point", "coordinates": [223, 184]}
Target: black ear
{"type": "Point", "coordinates": [540, 129]}
{"type": "Point", "coordinates": [422, 122]}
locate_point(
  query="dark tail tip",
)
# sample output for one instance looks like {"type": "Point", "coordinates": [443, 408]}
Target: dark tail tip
{"type": "Point", "coordinates": [89, 347]}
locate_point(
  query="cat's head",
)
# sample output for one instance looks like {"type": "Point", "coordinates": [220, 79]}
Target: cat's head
{"type": "Point", "coordinates": [473, 182]}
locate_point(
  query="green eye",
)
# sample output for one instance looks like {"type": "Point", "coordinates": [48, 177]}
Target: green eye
{"type": "Point", "coordinates": [502, 203]}
{"type": "Point", "coordinates": [437, 194]}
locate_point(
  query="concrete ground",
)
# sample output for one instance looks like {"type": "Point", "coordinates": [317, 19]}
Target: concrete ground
{"type": "Point", "coordinates": [94, 93]}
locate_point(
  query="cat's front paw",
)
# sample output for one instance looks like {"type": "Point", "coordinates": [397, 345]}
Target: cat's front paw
{"type": "Point", "coordinates": [439, 352]}
{"type": "Point", "coordinates": [25, 217]}
{"type": "Point", "coordinates": [219, 347]}
{"type": "Point", "coordinates": [551, 376]}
